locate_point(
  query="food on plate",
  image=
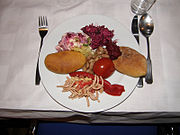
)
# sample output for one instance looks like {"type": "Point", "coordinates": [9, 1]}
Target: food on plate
{"type": "Point", "coordinates": [71, 39]}
{"type": "Point", "coordinates": [65, 62]}
{"type": "Point", "coordinates": [85, 50]}
{"type": "Point", "coordinates": [82, 84]}
{"type": "Point", "coordinates": [113, 50]}
{"type": "Point", "coordinates": [102, 36]}
{"type": "Point", "coordinates": [131, 63]}
{"type": "Point", "coordinates": [75, 41]}
{"type": "Point", "coordinates": [113, 89]}
{"type": "Point", "coordinates": [104, 67]}
{"type": "Point", "coordinates": [99, 53]}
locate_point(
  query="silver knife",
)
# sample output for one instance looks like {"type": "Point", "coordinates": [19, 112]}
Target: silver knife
{"type": "Point", "coordinates": [135, 31]}
{"type": "Point", "coordinates": [134, 28]}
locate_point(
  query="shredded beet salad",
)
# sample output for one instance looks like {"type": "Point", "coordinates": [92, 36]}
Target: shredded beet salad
{"type": "Point", "coordinates": [102, 36]}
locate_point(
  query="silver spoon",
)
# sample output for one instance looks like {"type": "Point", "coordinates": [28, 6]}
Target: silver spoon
{"type": "Point", "coordinates": [146, 27]}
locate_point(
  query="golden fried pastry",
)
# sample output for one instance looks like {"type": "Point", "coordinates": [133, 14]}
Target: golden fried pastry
{"type": "Point", "coordinates": [65, 61]}
{"type": "Point", "coordinates": [131, 62]}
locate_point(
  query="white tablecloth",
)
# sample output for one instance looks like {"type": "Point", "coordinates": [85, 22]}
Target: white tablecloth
{"type": "Point", "coordinates": [19, 44]}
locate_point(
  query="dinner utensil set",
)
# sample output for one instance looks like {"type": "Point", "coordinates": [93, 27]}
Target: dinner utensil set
{"type": "Point", "coordinates": [146, 27]}
{"type": "Point", "coordinates": [43, 30]}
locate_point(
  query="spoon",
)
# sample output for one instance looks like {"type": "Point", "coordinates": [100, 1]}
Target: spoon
{"type": "Point", "coordinates": [146, 27]}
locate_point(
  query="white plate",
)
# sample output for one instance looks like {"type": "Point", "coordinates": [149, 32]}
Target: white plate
{"type": "Point", "coordinates": [51, 80]}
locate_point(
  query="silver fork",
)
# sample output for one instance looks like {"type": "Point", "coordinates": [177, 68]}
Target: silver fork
{"type": "Point", "coordinates": [43, 29]}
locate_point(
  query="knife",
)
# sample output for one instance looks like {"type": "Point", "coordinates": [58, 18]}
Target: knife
{"type": "Point", "coordinates": [134, 28]}
{"type": "Point", "coordinates": [135, 31]}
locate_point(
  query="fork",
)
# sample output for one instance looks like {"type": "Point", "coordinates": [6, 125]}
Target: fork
{"type": "Point", "coordinates": [43, 29]}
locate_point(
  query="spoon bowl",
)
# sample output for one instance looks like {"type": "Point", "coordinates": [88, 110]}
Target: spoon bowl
{"type": "Point", "coordinates": [146, 26]}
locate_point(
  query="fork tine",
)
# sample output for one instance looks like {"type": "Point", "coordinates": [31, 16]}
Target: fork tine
{"type": "Point", "coordinates": [39, 21]}
{"type": "Point", "coordinates": [43, 22]}
{"type": "Point", "coordinates": [46, 23]}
